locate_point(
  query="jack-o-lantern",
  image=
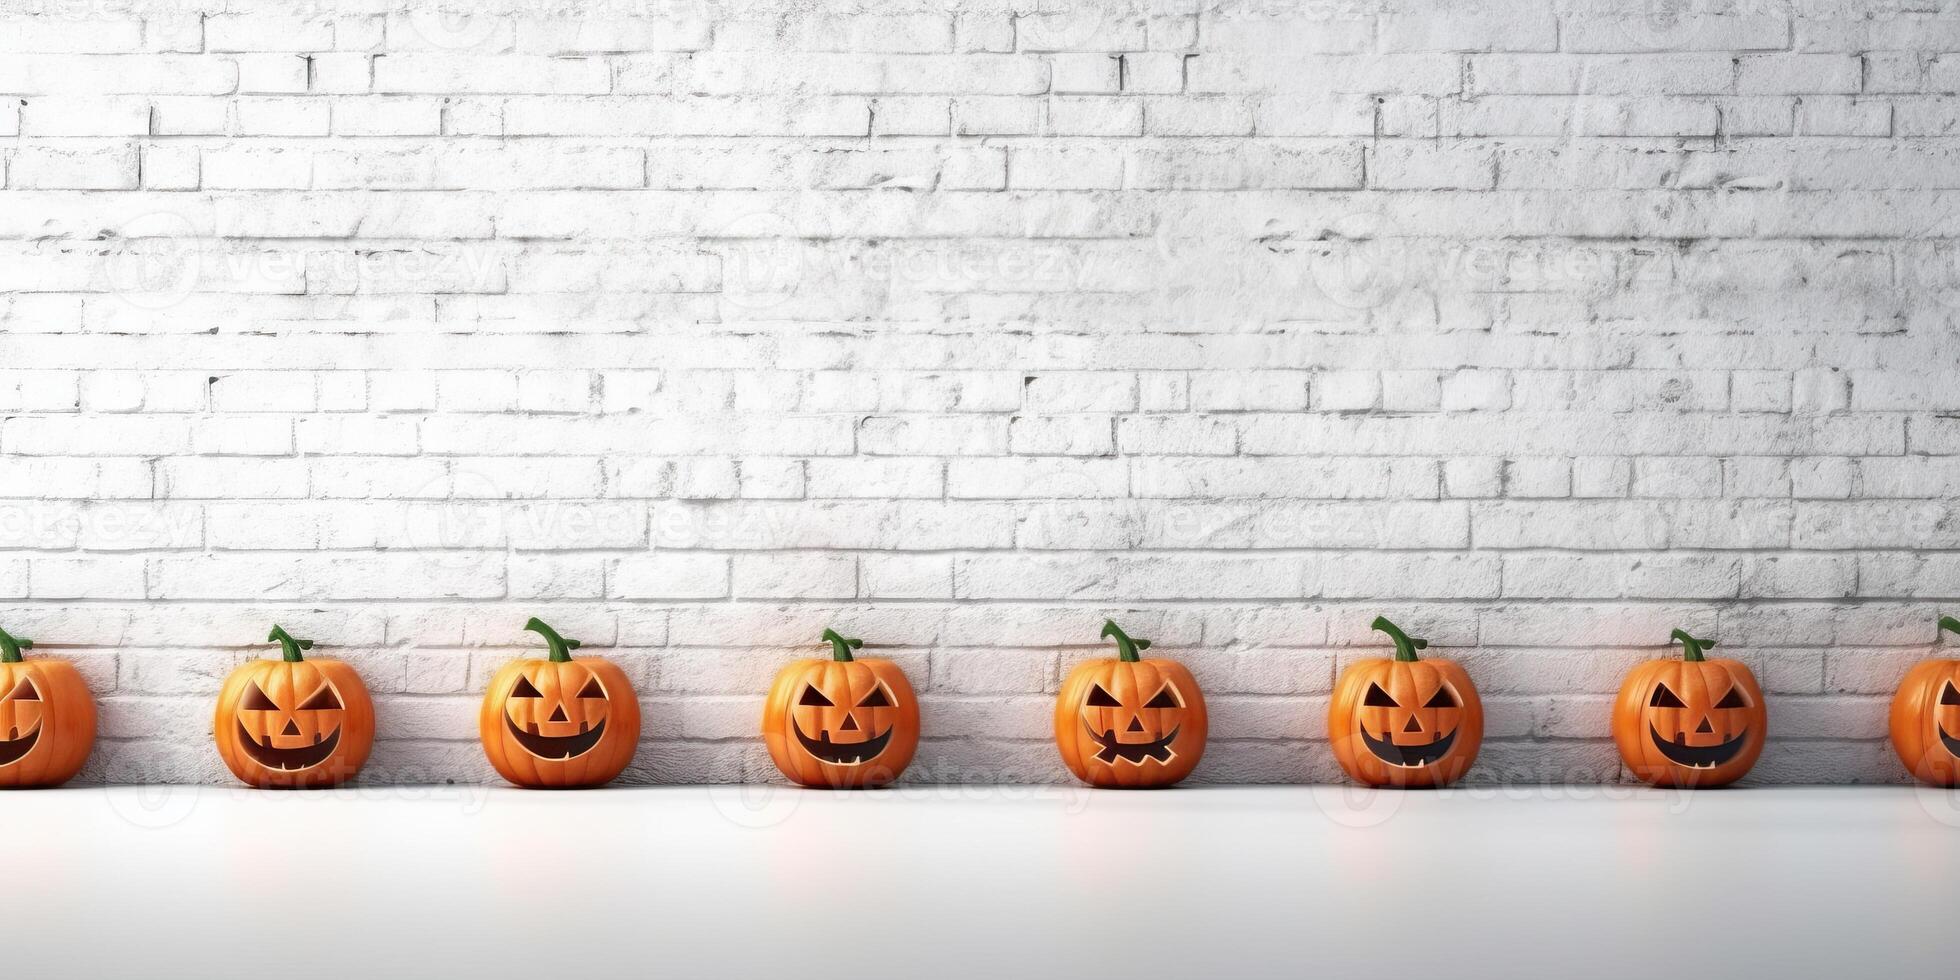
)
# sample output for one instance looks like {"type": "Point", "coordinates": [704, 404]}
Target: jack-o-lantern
{"type": "Point", "coordinates": [559, 723]}
{"type": "Point", "coordinates": [1130, 723]}
{"type": "Point", "coordinates": [1405, 722]}
{"type": "Point", "coordinates": [1692, 722]}
{"type": "Point", "coordinates": [842, 722]}
{"type": "Point", "coordinates": [46, 716]}
{"type": "Point", "coordinates": [294, 723]}
{"type": "Point", "coordinates": [1926, 718]}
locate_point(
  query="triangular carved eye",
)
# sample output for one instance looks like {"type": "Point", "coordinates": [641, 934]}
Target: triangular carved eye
{"type": "Point", "coordinates": [1164, 699]}
{"type": "Point", "coordinates": [1099, 698]}
{"type": "Point", "coordinates": [1950, 695]}
{"type": "Point", "coordinates": [1664, 698]}
{"type": "Point", "coordinates": [26, 691]}
{"type": "Point", "coordinates": [814, 698]}
{"type": "Point", "coordinates": [1378, 698]}
{"type": "Point", "coordinates": [525, 689]}
{"type": "Point", "coordinates": [1733, 699]}
{"type": "Point", "coordinates": [876, 699]}
{"type": "Point", "coordinates": [255, 700]}
{"type": "Point", "coordinates": [592, 689]}
{"type": "Point", "coordinates": [1442, 699]}
{"type": "Point", "coordinates": [322, 700]}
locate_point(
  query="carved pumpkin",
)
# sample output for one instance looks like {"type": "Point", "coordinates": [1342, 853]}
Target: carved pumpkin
{"type": "Point", "coordinates": [46, 717]}
{"type": "Point", "coordinates": [559, 722]}
{"type": "Point", "coordinates": [294, 723]}
{"type": "Point", "coordinates": [1926, 718]}
{"type": "Point", "coordinates": [1692, 722]}
{"type": "Point", "coordinates": [1405, 722]}
{"type": "Point", "coordinates": [842, 722]}
{"type": "Point", "coordinates": [1130, 722]}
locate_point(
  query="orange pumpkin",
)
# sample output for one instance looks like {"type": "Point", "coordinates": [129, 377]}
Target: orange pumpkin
{"type": "Point", "coordinates": [1405, 722]}
{"type": "Point", "coordinates": [46, 715]}
{"type": "Point", "coordinates": [1926, 718]}
{"type": "Point", "coordinates": [559, 723]}
{"type": "Point", "coordinates": [1692, 722]}
{"type": "Point", "coordinates": [1129, 722]}
{"type": "Point", "coordinates": [841, 722]}
{"type": "Point", "coordinates": [294, 723]}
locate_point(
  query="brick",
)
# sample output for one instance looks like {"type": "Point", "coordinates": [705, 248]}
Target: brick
{"type": "Point", "coordinates": [662, 576]}
{"type": "Point", "coordinates": [995, 116]}
{"type": "Point", "coordinates": [1093, 116]}
{"type": "Point", "coordinates": [1339, 115]}
{"type": "Point", "coordinates": [1527, 29]}
{"type": "Point", "coordinates": [479, 74]}
{"type": "Point", "coordinates": [110, 166]}
{"type": "Point", "coordinates": [1197, 117]}
{"type": "Point", "coordinates": [782, 576]}
{"type": "Point", "coordinates": [1153, 72]}
{"type": "Point", "coordinates": [1084, 74]}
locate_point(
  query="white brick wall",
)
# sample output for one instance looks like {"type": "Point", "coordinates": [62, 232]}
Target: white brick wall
{"type": "Point", "coordinates": [1541, 326]}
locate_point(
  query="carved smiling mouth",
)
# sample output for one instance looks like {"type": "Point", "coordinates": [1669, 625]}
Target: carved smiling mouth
{"type": "Point", "coordinates": [1952, 744]}
{"type": "Point", "coordinates": [1132, 752]}
{"type": "Point", "coordinates": [1679, 752]}
{"type": "Point", "coordinates": [556, 747]}
{"type": "Point", "coordinates": [289, 760]}
{"type": "Point", "coordinates": [15, 748]}
{"type": "Point", "coordinates": [841, 753]}
{"type": "Point", "coordinates": [1407, 756]}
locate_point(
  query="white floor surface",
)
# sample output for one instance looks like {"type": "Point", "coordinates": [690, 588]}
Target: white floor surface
{"type": "Point", "coordinates": [997, 882]}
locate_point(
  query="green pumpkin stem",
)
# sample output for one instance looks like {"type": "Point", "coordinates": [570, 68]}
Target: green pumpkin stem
{"type": "Point", "coordinates": [841, 646]}
{"type": "Point", "coordinates": [561, 648]}
{"type": "Point", "coordinates": [1947, 623]}
{"type": "Point", "coordinates": [286, 642]}
{"type": "Point", "coordinates": [1691, 648]}
{"type": "Point", "coordinates": [10, 648]}
{"type": "Point", "coordinates": [1405, 645]}
{"type": "Point", "coordinates": [1126, 648]}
